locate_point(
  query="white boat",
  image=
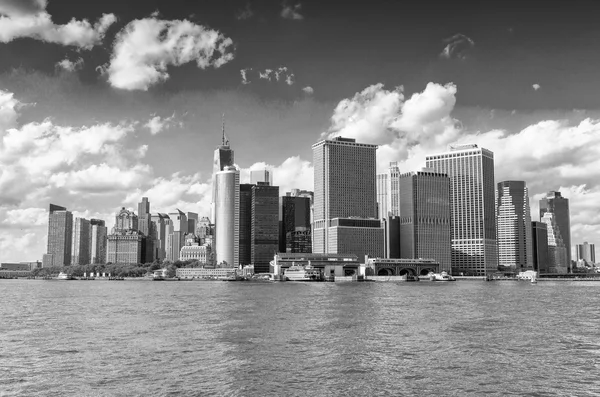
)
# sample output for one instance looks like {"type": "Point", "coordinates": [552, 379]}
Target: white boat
{"type": "Point", "coordinates": [64, 276]}
{"type": "Point", "coordinates": [302, 273]}
{"type": "Point", "coordinates": [443, 276]}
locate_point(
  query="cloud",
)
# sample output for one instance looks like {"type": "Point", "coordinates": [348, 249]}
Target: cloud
{"type": "Point", "coordinates": [29, 19]}
{"type": "Point", "coordinates": [245, 13]}
{"type": "Point", "coordinates": [282, 73]}
{"type": "Point", "coordinates": [145, 47]}
{"type": "Point", "coordinates": [536, 87]}
{"type": "Point", "coordinates": [244, 74]}
{"type": "Point", "coordinates": [156, 124]}
{"type": "Point", "coordinates": [23, 217]}
{"type": "Point", "coordinates": [8, 110]}
{"type": "Point", "coordinates": [457, 47]}
{"type": "Point", "coordinates": [101, 179]}
{"type": "Point", "coordinates": [308, 90]}
{"type": "Point", "coordinates": [291, 12]}
{"type": "Point", "coordinates": [70, 66]}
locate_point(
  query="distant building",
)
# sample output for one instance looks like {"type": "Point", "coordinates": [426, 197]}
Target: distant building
{"type": "Point", "coordinates": [159, 235]}
{"type": "Point", "coordinates": [146, 227]}
{"type": "Point", "coordinates": [514, 226]}
{"type": "Point", "coordinates": [81, 242]}
{"type": "Point", "coordinates": [556, 204]}
{"type": "Point", "coordinates": [296, 231]}
{"type": "Point", "coordinates": [125, 241]}
{"type": "Point", "coordinates": [21, 266]}
{"type": "Point", "coordinates": [586, 252]}
{"type": "Point", "coordinates": [99, 241]}
{"type": "Point", "coordinates": [557, 252]}
{"type": "Point", "coordinates": [227, 217]}
{"type": "Point", "coordinates": [192, 219]}
{"type": "Point", "coordinates": [179, 224]}
{"type": "Point", "coordinates": [539, 238]}
{"type": "Point", "coordinates": [60, 234]}
{"type": "Point", "coordinates": [425, 221]}
{"type": "Point", "coordinates": [264, 176]}
{"type": "Point", "coordinates": [195, 250]}
{"type": "Point", "coordinates": [265, 225]}
{"type": "Point", "coordinates": [345, 204]}
{"type": "Point", "coordinates": [472, 191]}
{"type": "Point", "coordinates": [223, 157]}
{"type": "Point", "coordinates": [388, 192]}
{"type": "Point", "coordinates": [245, 246]}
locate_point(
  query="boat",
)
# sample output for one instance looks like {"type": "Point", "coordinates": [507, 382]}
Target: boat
{"type": "Point", "coordinates": [443, 276]}
{"type": "Point", "coordinates": [64, 276]}
{"type": "Point", "coordinates": [302, 273]}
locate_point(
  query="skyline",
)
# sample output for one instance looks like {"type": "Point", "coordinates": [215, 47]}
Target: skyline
{"type": "Point", "coordinates": [526, 96]}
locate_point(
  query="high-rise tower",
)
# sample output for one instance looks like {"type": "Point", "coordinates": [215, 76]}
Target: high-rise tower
{"type": "Point", "coordinates": [345, 204]}
{"type": "Point", "coordinates": [99, 242]}
{"type": "Point", "coordinates": [471, 172]}
{"type": "Point", "coordinates": [60, 233]}
{"type": "Point", "coordinates": [227, 217]}
{"type": "Point", "coordinates": [223, 157]}
{"type": "Point", "coordinates": [555, 203]}
{"type": "Point", "coordinates": [81, 242]}
{"type": "Point", "coordinates": [514, 226]}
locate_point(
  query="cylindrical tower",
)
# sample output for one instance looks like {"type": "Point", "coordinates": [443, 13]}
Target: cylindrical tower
{"type": "Point", "coordinates": [227, 216]}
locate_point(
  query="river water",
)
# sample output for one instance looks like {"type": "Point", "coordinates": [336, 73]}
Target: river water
{"type": "Point", "coordinates": [142, 338]}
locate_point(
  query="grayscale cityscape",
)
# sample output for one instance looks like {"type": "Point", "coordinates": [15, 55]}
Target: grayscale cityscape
{"type": "Point", "coordinates": [252, 198]}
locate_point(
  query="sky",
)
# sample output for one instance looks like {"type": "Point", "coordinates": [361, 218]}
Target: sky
{"type": "Point", "coordinates": [103, 103]}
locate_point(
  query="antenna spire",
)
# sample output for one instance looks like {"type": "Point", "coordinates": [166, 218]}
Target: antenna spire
{"type": "Point", "coordinates": [223, 128]}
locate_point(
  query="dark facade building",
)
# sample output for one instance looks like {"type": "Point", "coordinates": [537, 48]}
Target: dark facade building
{"type": "Point", "coordinates": [539, 237]}
{"type": "Point", "coordinates": [245, 223]}
{"type": "Point", "coordinates": [556, 204]}
{"type": "Point", "coordinates": [146, 226]}
{"type": "Point", "coordinates": [265, 226]}
{"type": "Point", "coordinates": [393, 237]}
{"type": "Point", "coordinates": [60, 234]}
{"type": "Point", "coordinates": [425, 217]}
{"type": "Point", "coordinates": [295, 222]}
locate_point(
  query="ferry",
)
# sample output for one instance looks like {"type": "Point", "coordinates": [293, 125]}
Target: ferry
{"type": "Point", "coordinates": [302, 273]}
{"type": "Point", "coordinates": [443, 276]}
{"type": "Point", "coordinates": [64, 276]}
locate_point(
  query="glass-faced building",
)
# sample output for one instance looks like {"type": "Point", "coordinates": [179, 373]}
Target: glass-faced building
{"type": "Point", "coordinates": [227, 217]}
{"type": "Point", "coordinates": [295, 224]}
{"type": "Point", "coordinates": [539, 239]}
{"type": "Point", "coordinates": [425, 217]}
{"type": "Point", "coordinates": [345, 204]}
{"type": "Point", "coordinates": [60, 234]}
{"type": "Point", "coordinates": [473, 209]}
{"type": "Point", "coordinates": [265, 226]}
{"type": "Point", "coordinates": [514, 226]}
{"type": "Point", "coordinates": [556, 204]}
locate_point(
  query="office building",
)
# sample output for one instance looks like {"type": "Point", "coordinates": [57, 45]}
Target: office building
{"type": "Point", "coordinates": [514, 226]}
{"type": "Point", "coordinates": [159, 235]}
{"type": "Point", "coordinates": [264, 176]}
{"type": "Point", "coordinates": [473, 209]}
{"type": "Point", "coordinates": [539, 239]}
{"type": "Point", "coordinates": [125, 240]}
{"type": "Point", "coordinates": [388, 192]}
{"type": "Point", "coordinates": [179, 224]}
{"type": "Point", "coordinates": [81, 242]}
{"type": "Point", "coordinates": [265, 226]}
{"type": "Point", "coordinates": [345, 203]}
{"type": "Point", "coordinates": [245, 246]}
{"type": "Point", "coordinates": [227, 217]}
{"type": "Point", "coordinates": [555, 203]}
{"type": "Point", "coordinates": [557, 251]}
{"type": "Point", "coordinates": [223, 157]}
{"type": "Point", "coordinates": [192, 219]}
{"type": "Point", "coordinates": [98, 241]}
{"type": "Point", "coordinates": [425, 220]}
{"type": "Point", "coordinates": [60, 233]}
{"type": "Point", "coordinates": [146, 227]}
{"type": "Point", "coordinates": [295, 235]}
{"type": "Point", "coordinates": [586, 252]}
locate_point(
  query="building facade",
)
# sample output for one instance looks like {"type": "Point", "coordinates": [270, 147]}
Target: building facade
{"type": "Point", "coordinates": [245, 246]}
{"type": "Point", "coordinates": [81, 242]}
{"type": "Point", "coordinates": [557, 252]}
{"type": "Point", "coordinates": [223, 157]}
{"type": "Point", "coordinates": [125, 241]}
{"type": "Point", "coordinates": [473, 209]}
{"type": "Point", "coordinates": [227, 217]}
{"type": "Point", "coordinates": [177, 232]}
{"type": "Point", "coordinates": [99, 241]}
{"type": "Point", "coordinates": [425, 220]}
{"type": "Point", "coordinates": [513, 215]}
{"type": "Point", "coordinates": [388, 192]}
{"type": "Point", "coordinates": [586, 252]}
{"type": "Point", "coordinates": [539, 239]}
{"type": "Point", "coordinates": [60, 234]}
{"type": "Point", "coordinates": [344, 197]}
{"type": "Point", "coordinates": [265, 225]}
{"type": "Point", "coordinates": [556, 204]}
{"type": "Point", "coordinates": [159, 235]}
{"type": "Point", "coordinates": [295, 224]}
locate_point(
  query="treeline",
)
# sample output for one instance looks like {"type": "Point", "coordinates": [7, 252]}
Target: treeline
{"type": "Point", "coordinates": [116, 269]}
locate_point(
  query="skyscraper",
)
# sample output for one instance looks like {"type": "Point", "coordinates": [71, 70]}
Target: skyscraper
{"type": "Point", "coordinates": [514, 226]}
{"type": "Point", "coordinates": [159, 235]}
{"type": "Point", "coordinates": [345, 203]}
{"type": "Point", "coordinates": [425, 217]}
{"type": "Point", "coordinates": [261, 176]}
{"type": "Point", "coordinates": [60, 232]}
{"type": "Point", "coordinates": [265, 225]}
{"type": "Point", "coordinates": [555, 203]}
{"type": "Point", "coordinates": [179, 224]}
{"type": "Point", "coordinates": [125, 241]}
{"type": "Point", "coordinates": [146, 227]}
{"type": "Point", "coordinates": [245, 224]}
{"type": "Point", "coordinates": [192, 219]}
{"type": "Point", "coordinates": [557, 251]}
{"type": "Point", "coordinates": [81, 242]}
{"type": "Point", "coordinates": [586, 252]}
{"type": "Point", "coordinates": [296, 232]}
{"type": "Point", "coordinates": [388, 192]}
{"type": "Point", "coordinates": [539, 238]}
{"type": "Point", "coordinates": [471, 172]}
{"type": "Point", "coordinates": [223, 157]}
{"type": "Point", "coordinates": [99, 242]}
{"type": "Point", "coordinates": [227, 217]}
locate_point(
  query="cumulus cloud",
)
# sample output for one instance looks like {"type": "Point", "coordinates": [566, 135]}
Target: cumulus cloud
{"type": "Point", "coordinates": [8, 110]}
{"type": "Point", "coordinates": [29, 19]}
{"type": "Point", "coordinates": [70, 66]}
{"type": "Point", "coordinates": [536, 87]}
{"type": "Point", "coordinates": [245, 13]}
{"type": "Point", "coordinates": [156, 124]}
{"type": "Point", "coordinates": [291, 11]}
{"type": "Point", "coordinates": [308, 90]}
{"type": "Point", "coordinates": [244, 74]}
{"type": "Point", "coordinates": [282, 74]}
{"type": "Point", "coordinates": [144, 49]}
{"type": "Point", "coordinates": [457, 46]}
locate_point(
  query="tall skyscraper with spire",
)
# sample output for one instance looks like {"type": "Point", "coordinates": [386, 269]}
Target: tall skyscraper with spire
{"type": "Point", "coordinates": [223, 157]}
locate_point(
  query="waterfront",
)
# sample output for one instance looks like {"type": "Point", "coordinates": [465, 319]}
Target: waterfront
{"type": "Point", "coordinates": [254, 339]}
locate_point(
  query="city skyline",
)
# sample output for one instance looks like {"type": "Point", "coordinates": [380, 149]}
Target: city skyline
{"type": "Point", "coordinates": [72, 133]}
